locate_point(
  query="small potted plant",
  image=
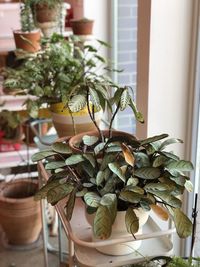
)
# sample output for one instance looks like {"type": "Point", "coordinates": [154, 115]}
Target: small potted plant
{"type": "Point", "coordinates": [47, 14]}
{"type": "Point", "coordinates": [67, 79]}
{"type": "Point", "coordinates": [28, 37]}
{"type": "Point", "coordinates": [119, 178]}
{"type": "Point", "coordinates": [11, 133]}
{"type": "Point", "coordinates": [82, 26]}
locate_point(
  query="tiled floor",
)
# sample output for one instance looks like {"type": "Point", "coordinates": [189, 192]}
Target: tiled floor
{"type": "Point", "coordinates": [27, 258]}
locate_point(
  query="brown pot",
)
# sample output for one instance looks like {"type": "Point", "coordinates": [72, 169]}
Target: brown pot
{"type": "Point", "coordinates": [46, 14]}
{"type": "Point", "coordinates": [33, 43]}
{"type": "Point", "coordinates": [76, 139]}
{"type": "Point", "coordinates": [82, 27]}
{"type": "Point", "coordinates": [20, 214]}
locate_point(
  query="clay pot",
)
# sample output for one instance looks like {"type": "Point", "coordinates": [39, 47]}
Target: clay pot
{"type": "Point", "coordinates": [76, 139]}
{"type": "Point", "coordinates": [46, 14]}
{"type": "Point", "coordinates": [82, 26]}
{"type": "Point", "coordinates": [33, 45]}
{"type": "Point", "coordinates": [20, 214]}
{"type": "Point", "coordinates": [63, 122]}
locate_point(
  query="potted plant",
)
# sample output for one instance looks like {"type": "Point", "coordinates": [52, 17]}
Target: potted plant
{"type": "Point", "coordinates": [47, 14]}
{"type": "Point", "coordinates": [82, 26]}
{"type": "Point", "coordinates": [20, 214]}
{"type": "Point", "coordinates": [28, 38]}
{"type": "Point", "coordinates": [119, 177]}
{"type": "Point", "coordinates": [67, 79]}
{"type": "Point", "coordinates": [11, 133]}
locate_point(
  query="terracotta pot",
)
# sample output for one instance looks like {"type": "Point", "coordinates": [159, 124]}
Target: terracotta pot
{"type": "Point", "coordinates": [46, 14]}
{"type": "Point", "coordinates": [32, 45]}
{"type": "Point", "coordinates": [82, 27]}
{"type": "Point", "coordinates": [20, 214]}
{"type": "Point", "coordinates": [76, 139]}
{"type": "Point", "coordinates": [63, 122]}
{"type": "Point", "coordinates": [119, 230]}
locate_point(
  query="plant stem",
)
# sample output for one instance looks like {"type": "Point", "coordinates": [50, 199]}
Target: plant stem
{"type": "Point", "coordinates": [112, 119]}
{"type": "Point", "coordinates": [93, 117]}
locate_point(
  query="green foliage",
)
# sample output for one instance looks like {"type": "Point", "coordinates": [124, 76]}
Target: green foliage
{"type": "Point", "coordinates": [9, 123]}
{"type": "Point", "coordinates": [26, 17]}
{"type": "Point", "coordinates": [123, 179]}
{"type": "Point", "coordinates": [49, 3]}
{"type": "Point", "coordinates": [65, 72]}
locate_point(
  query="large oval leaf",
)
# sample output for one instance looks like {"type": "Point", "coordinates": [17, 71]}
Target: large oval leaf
{"type": "Point", "coordinates": [90, 140]}
{"type": "Point", "coordinates": [153, 139]}
{"type": "Point", "coordinates": [160, 212]}
{"type": "Point", "coordinates": [70, 205]}
{"type": "Point", "coordinates": [102, 223]}
{"type": "Point", "coordinates": [179, 166]}
{"type": "Point", "coordinates": [129, 158]}
{"type": "Point", "coordinates": [55, 165]}
{"type": "Point", "coordinates": [91, 159]}
{"type": "Point", "coordinates": [114, 167]}
{"type": "Point", "coordinates": [59, 192]}
{"type": "Point", "coordinates": [62, 148]}
{"type": "Point", "coordinates": [182, 223]}
{"type": "Point", "coordinates": [110, 201]}
{"type": "Point", "coordinates": [74, 159]}
{"type": "Point", "coordinates": [100, 177]}
{"type": "Point", "coordinates": [130, 197]}
{"type": "Point", "coordinates": [147, 173]}
{"type": "Point", "coordinates": [42, 193]}
{"type": "Point", "coordinates": [132, 221]}
{"type": "Point", "coordinates": [94, 98]}
{"type": "Point", "coordinates": [169, 142]}
{"type": "Point", "coordinates": [42, 155]}
{"type": "Point", "coordinates": [92, 199]}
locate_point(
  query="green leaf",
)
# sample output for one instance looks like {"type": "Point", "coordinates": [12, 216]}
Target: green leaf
{"type": "Point", "coordinates": [89, 140]}
{"type": "Point", "coordinates": [124, 100]}
{"type": "Point", "coordinates": [59, 192]}
{"type": "Point", "coordinates": [168, 155]}
{"type": "Point", "coordinates": [138, 115]}
{"type": "Point", "coordinates": [189, 186]}
{"type": "Point", "coordinates": [54, 165]}
{"type": "Point", "coordinates": [110, 201]}
{"type": "Point", "coordinates": [167, 198]}
{"type": "Point", "coordinates": [100, 177]}
{"type": "Point", "coordinates": [169, 142]}
{"type": "Point", "coordinates": [141, 160]}
{"type": "Point", "coordinates": [108, 158]}
{"type": "Point", "coordinates": [182, 223]}
{"type": "Point", "coordinates": [152, 187]}
{"type": "Point", "coordinates": [135, 189]}
{"type": "Point", "coordinates": [87, 167]}
{"type": "Point", "coordinates": [133, 181]}
{"type": "Point", "coordinates": [62, 148]}
{"type": "Point", "coordinates": [153, 139]}
{"type": "Point", "coordinates": [102, 223]}
{"type": "Point", "coordinates": [70, 205]}
{"type": "Point", "coordinates": [99, 147]}
{"type": "Point", "coordinates": [179, 166]}
{"type": "Point", "coordinates": [130, 197]}
{"type": "Point", "coordinates": [92, 199]}
{"type": "Point", "coordinates": [74, 159]}
{"type": "Point", "coordinates": [147, 173]}
{"type": "Point", "coordinates": [91, 159]}
{"type": "Point", "coordinates": [77, 103]}
{"type": "Point", "coordinates": [115, 168]}
{"type": "Point", "coordinates": [42, 155]}
{"type": "Point", "coordinates": [160, 160]}
{"type": "Point", "coordinates": [94, 98]}
{"type": "Point", "coordinates": [104, 43]}
{"type": "Point", "coordinates": [132, 221]}
{"type": "Point", "coordinates": [42, 193]}
{"type": "Point", "coordinates": [81, 193]}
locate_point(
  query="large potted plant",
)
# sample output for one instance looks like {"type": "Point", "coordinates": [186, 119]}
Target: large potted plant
{"type": "Point", "coordinates": [28, 37]}
{"type": "Point", "coordinates": [69, 80]}
{"type": "Point", "coordinates": [119, 178]}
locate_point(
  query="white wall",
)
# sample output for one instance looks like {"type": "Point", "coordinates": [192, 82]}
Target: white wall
{"type": "Point", "coordinates": [170, 44]}
{"type": "Point", "coordinates": [169, 73]}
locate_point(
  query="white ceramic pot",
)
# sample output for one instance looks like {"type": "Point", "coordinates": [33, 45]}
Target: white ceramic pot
{"type": "Point", "coordinates": [118, 231]}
